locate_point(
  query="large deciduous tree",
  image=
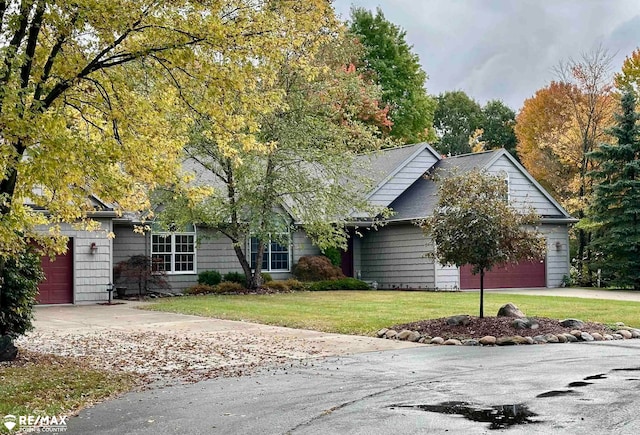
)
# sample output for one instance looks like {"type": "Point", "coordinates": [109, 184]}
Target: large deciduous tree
{"type": "Point", "coordinates": [388, 60]}
{"type": "Point", "coordinates": [581, 110]}
{"type": "Point", "coordinates": [92, 94]}
{"type": "Point", "coordinates": [456, 118]}
{"type": "Point", "coordinates": [304, 165]}
{"type": "Point", "coordinates": [613, 215]}
{"type": "Point", "coordinates": [474, 224]}
{"type": "Point", "coordinates": [497, 123]}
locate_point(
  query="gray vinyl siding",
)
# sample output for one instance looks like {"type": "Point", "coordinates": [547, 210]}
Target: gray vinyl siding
{"type": "Point", "coordinates": [394, 257]}
{"type": "Point", "coordinates": [557, 237]}
{"type": "Point", "coordinates": [214, 251]}
{"type": "Point", "coordinates": [404, 178]}
{"type": "Point", "coordinates": [91, 271]}
{"type": "Point", "coordinates": [447, 277]}
{"type": "Point", "coordinates": [522, 193]}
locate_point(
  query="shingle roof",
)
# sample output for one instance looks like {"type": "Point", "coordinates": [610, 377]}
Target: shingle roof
{"type": "Point", "coordinates": [419, 200]}
{"type": "Point", "coordinates": [380, 164]}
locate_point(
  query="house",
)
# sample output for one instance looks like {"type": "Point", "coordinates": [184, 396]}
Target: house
{"type": "Point", "coordinates": [392, 256]}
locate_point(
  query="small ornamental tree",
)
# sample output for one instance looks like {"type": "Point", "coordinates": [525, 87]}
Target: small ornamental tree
{"type": "Point", "coordinates": [474, 224]}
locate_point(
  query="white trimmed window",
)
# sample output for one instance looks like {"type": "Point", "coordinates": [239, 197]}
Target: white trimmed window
{"type": "Point", "coordinates": [173, 252]}
{"type": "Point", "coordinates": [276, 257]}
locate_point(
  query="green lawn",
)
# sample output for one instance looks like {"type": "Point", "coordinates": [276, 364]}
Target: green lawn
{"type": "Point", "coordinates": [364, 312]}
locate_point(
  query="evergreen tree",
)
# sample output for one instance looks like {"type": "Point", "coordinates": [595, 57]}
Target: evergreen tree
{"type": "Point", "coordinates": [614, 214]}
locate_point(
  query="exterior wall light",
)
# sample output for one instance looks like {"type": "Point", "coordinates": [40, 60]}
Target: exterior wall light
{"type": "Point", "coordinates": [93, 248]}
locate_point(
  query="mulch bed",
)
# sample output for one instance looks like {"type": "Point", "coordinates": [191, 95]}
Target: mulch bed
{"type": "Point", "coordinates": [495, 326]}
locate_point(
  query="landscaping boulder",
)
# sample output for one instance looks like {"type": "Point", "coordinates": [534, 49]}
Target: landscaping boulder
{"type": "Point", "coordinates": [452, 342]}
{"type": "Point", "coordinates": [437, 340]}
{"type": "Point", "coordinates": [8, 351]}
{"type": "Point", "coordinates": [572, 323]}
{"type": "Point", "coordinates": [586, 336]}
{"type": "Point", "coordinates": [625, 334]}
{"type": "Point", "coordinates": [381, 332]}
{"type": "Point", "coordinates": [390, 333]}
{"type": "Point", "coordinates": [462, 319]}
{"type": "Point", "coordinates": [488, 340]}
{"type": "Point", "coordinates": [597, 337]}
{"type": "Point", "coordinates": [404, 334]}
{"type": "Point", "coordinates": [510, 310]}
{"type": "Point", "coordinates": [470, 342]}
{"type": "Point", "coordinates": [525, 323]}
{"type": "Point", "coordinates": [506, 341]}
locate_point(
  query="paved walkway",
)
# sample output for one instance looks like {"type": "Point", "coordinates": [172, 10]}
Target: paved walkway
{"type": "Point", "coordinates": [616, 295]}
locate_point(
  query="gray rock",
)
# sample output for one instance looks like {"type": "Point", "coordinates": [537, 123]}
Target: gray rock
{"type": "Point", "coordinates": [381, 332]}
{"type": "Point", "coordinates": [570, 338]}
{"type": "Point", "coordinates": [525, 323]}
{"type": "Point", "coordinates": [552, 338]}
{"type": "Point", "coordinates": [608, 337]}
{"type": "Point", "coordinates": [470, 342]}
{"type": "Point", "coordinates": [635, 333]}
{"type": "Point", "coordinates": [625, 334]}
{"type": "Point", "coordinates": [390, 333]}
{"type": "Point", "coordinates": [437, 340]}
{"type": "Point", "coordinates": [510, 310]}
{"type": "Point", "coordinates": [572, 323]}
{"type": "Point", "coordinates": [585, 336]}
{"type": "Point", "coordinates": [487, 340]}
{"type": "Point", "coordinates": [529, 340]}
{"type": "Point", "coordinates": [506, 341]}
{"type": "Point", "coordinates": [423, 340]}
{"type": "Point", "coordinates": [576, 333]}
{"type": "Point", "coordinates": [561, 338]}
{"type": "Point", "coordinates": [462, 319]}
{"type": "Point", "coordinates": [452, 342]}
{"type": "Point", "coordinates": [540, 339]}
{"type": "Point", "coordinates": [620, 324]}
{"type": "Point", "coordinates": [414, 336]}
{"type": "Point", "coordinates": [597, 337]}
{"type": "Point", "coordinates": [404, 334]}
{"type": "Point", "coordinates": [617, 337]}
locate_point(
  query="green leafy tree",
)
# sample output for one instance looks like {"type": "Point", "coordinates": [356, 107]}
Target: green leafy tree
{"type": "Point", "coordinates": [614, 213]}
{"type": "Point", "coordinates": [456, 118]}
{"type": "Point", "coordinates": [389, 61]}
{"type": "Point", "coordinates": [497, 123]}
{"type": "Point", "coordinates": [94, 96]}
{"type": "Point", "coordinates": [304, 164]}
{"type": "Point", "coordinates": [474, 224]}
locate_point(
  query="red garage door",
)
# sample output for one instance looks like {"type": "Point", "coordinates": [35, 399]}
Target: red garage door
{"type": "Point", "coordinates": [525, 274]}
{"type": "Point", "coordinates": [57, 288]}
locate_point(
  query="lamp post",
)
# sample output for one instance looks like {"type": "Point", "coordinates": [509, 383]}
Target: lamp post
{"type": "Point", "coordinates": [110, 289]}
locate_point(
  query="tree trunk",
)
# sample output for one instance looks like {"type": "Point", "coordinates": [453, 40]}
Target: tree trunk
{"type": "Point", "coordinates": [481, 293]}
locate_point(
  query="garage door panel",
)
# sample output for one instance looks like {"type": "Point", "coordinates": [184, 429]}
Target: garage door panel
{"type": "Point", "coordinates": [524, 274]}
{"type": "Point", "coordinates": [57, 288]}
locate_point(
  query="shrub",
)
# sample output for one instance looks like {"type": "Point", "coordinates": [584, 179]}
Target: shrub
{"type": "Point", "coordinates": [236, 277]}
{"type": "Point", "coordinates": [339, 284]}
{"type": "Point", "coordinates": [266, 277]}
{"type": "Point", "coordinates": [200, 289]}
{"type": "Point", "coordinates": [137, 271]}
{"type": "Point", "coordinates": [21, 278]}
{"type": "Point", "coordinates": [230, 287]}
{"type": "Point", "coordinates": [295, 285]}
{"type": "Point", "coordinates": [209, 277]}
{"type": "Point", "coordinates": [334, 255]}
{"type": "Point", "coordinates": [316, 268]}
{"type": "Point", "coordinates": [279, 286]}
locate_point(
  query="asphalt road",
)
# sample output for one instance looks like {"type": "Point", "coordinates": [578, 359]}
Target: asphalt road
{"type": "Point", "coordinates": [577, 388]}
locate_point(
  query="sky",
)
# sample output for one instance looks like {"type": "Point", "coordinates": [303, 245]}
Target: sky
{"type": "Point", "coordinates": [506, 49]}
